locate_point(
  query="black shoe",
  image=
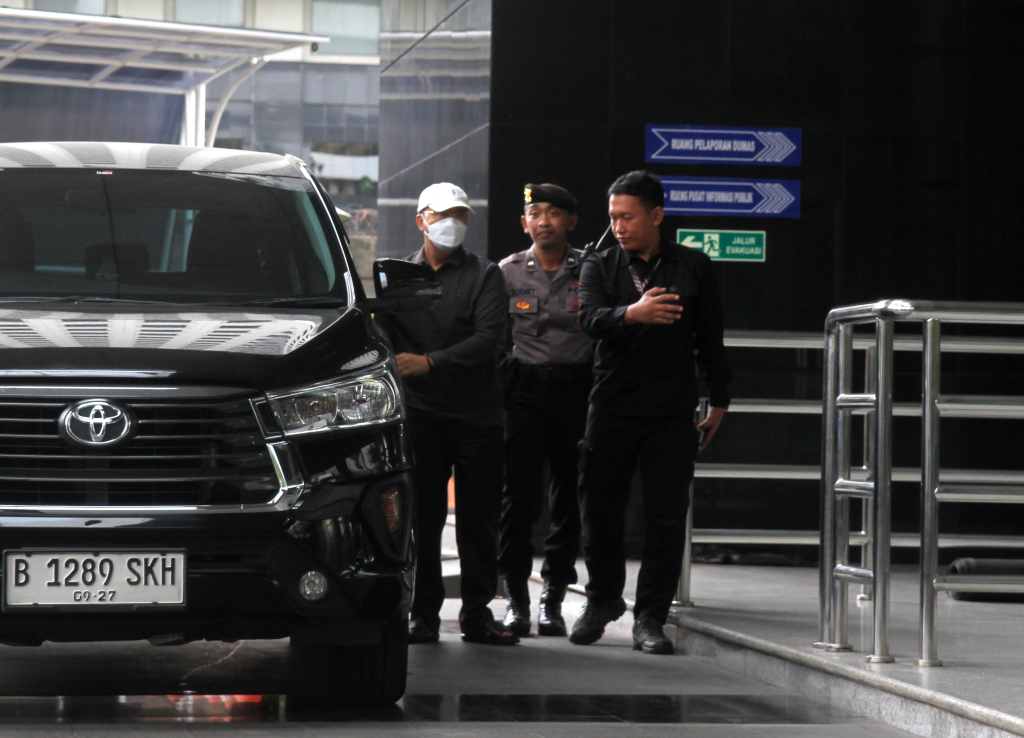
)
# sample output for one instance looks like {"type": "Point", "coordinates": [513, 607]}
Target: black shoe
{"type": "Point", "coordinates": [420, 632]}
{"type": "Point", "coordinates": [549, 613]}
{"type": "Point", "coordinates": [491, 634]}
{"type": "Point", "coordinates": [590, 625]}
{"type": "Point", "coordinates": [517, 616]}
{"type": "Point", "coordinates": [649, 636]}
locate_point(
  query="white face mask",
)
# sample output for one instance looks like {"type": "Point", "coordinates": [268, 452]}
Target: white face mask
{"type": "Point", "coordinates": [447, 234]}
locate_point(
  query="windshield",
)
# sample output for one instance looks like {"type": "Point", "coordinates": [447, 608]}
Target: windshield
{"type": "Point", "coordinates": [164, 236]}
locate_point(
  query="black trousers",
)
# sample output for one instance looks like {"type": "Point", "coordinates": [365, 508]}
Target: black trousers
{"type": "Point", "coordinates": [613, 446]}
{"type": "Point", "coordinates": [545, 422]}
{"type": "Point", "coordinates": [476, 453]}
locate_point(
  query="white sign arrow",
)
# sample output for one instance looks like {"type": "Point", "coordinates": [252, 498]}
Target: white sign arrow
{"type": "Point", "coordinates": [776, 197]}
{"type": "Point", "coordinates": [777, 146]}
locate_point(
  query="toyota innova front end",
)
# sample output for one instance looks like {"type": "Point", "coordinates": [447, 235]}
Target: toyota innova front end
{"type": "Point", "coordinates": [201, 428]}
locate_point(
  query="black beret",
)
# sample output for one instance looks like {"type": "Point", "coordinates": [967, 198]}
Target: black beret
{"type": "Point", "coordinates": [552, 193]}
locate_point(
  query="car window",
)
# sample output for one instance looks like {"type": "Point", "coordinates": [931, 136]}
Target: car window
{"type": "Point", "coordinates": [164, 235]}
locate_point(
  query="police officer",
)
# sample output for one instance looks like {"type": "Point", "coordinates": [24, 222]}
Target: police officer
{"type": "Point", "coordinates": [547, 383]}
{"type": "Point", "coordinates": [655, 310]}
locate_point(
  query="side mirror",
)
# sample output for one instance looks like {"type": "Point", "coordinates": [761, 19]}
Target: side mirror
{"type": "Point", "coordinates": [402, 285]}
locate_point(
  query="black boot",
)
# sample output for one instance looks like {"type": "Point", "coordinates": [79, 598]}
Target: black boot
{"type": "Point", "coordinates": [517, 616]}
{"type": "Point", "coordinates": [649, 636]}
{"type": "Point", "coordinates": [590, 625]}
{"type": "Point", "coordinates": [549, 614]}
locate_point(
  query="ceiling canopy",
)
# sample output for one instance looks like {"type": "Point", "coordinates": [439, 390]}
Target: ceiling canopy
{"type": "Point", "coordinates": [103, 52]}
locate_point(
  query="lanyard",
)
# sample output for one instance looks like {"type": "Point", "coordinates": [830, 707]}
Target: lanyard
{"type": "Point", "coordinates": [641, 284]}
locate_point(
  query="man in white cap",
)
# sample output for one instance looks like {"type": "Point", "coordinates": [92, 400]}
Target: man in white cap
{"type": "Point", "coordinates": [448, 359]}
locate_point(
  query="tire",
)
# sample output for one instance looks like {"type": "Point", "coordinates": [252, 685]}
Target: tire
{"type": "Point", "coordinates": [354, 676]}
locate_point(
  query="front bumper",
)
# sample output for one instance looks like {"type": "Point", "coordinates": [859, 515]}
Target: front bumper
{"type": "Point", "coordinates": [243, 571]}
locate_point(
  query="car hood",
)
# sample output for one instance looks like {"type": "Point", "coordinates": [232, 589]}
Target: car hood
{"type": "Point", "coordinates": [251, 348]}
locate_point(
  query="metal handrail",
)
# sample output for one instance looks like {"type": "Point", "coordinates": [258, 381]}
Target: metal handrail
{"type": "Point", "coordinates": [797, 340]}
{"type": "Point", "coordinates": [961, 486]}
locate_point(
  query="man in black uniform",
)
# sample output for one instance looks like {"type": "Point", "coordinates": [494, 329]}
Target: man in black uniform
{"type": "Point", "coordinates": [448, 359]}
{"type": "Point", "coordinates": [548, 381]}
{"type": "Point", "coordinates": [654, 308]}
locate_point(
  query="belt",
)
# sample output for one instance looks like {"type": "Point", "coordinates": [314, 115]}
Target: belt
{"type": "Point", "coordinates": [554, 373]}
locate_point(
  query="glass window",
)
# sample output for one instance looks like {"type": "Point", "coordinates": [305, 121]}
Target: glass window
{"type": "Point", "coordinates": [210, 12]}
{"type": "Point", "coordinates": [190, 237]}
{"type": "Point", "coordinates": [353, 25]}
{"type": "Point", "coordinates": [86, 7]}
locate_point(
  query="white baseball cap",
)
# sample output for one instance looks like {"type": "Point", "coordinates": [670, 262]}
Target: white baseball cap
{"type": "Point", "coordinates": [443, 196]}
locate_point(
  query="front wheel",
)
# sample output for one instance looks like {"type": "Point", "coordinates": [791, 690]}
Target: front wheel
{"type": "Point", "coordinates": [353, 676]}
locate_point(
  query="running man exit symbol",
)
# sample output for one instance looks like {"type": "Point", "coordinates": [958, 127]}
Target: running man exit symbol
{"type": "Point", "coordinates": [711, 245]}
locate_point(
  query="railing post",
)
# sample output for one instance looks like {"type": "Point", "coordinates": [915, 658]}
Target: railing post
{"type": "Point", "coordinates": [826, 546]}
{"type": "Point", "coordinates": [841, 506]}
{"type": "Point", "coordinates": [867, 514]}
{"type": "Point", "coordinates": [929, 487]}
{"type": "Point", "coordinates": [683, 590]}
{"type": "Point", "coordinates": [883, 492]}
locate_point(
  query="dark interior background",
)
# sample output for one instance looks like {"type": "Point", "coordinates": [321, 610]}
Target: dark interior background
{"type": "Point", "coordinates": [912, 179]}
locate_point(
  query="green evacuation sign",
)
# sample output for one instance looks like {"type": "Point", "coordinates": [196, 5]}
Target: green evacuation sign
{"type": "Point", "coordinates": [725, 245]}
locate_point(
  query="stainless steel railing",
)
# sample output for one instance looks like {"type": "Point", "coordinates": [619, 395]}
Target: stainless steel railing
{"type": "Point", "coordinates": [774, 340]}
{"type": "Point", "coordinates": [840, 482]}
{"type": "Point", "coordinates": [793, 340]}
{"type": "Point", "coordinates": [956, 484]}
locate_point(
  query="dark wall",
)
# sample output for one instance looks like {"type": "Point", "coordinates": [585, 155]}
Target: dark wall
{"type": "Point", "coordinates": [912, 167]}
{"type": "Point", "coordinates": [912, 179]}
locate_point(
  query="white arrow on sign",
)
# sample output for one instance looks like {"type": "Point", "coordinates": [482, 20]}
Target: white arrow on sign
{"type": "Point", "coordinates": [776, 197]}
{"type": "Point", "coordinates": [693, 243]}
{"type": "Point", "coordinates": [777, 146]}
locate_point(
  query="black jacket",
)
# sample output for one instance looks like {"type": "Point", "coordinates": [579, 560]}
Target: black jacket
{"type": "Point", "coordinates": [463, 334]}
{"type": "Point", "coordinates": [652, 369]}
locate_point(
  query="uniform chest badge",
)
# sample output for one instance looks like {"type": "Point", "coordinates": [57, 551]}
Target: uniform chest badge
{"type": "Point", "coordinates": [523, 305]}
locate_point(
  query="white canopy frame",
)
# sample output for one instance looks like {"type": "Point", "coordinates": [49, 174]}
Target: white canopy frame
{"type": "Point", "coordinates": [107, 53]}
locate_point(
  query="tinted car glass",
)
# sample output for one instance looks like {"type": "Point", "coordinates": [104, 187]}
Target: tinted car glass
{"type": "Point", "coordinates": [173, 236]}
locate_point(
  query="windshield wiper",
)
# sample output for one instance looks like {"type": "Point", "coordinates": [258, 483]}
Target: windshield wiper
{"type": "Point", "coordinates": [72, 299]}
{"type": "Point", "coordinates": [325, 301]}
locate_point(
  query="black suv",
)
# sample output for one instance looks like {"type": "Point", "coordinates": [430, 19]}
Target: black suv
{"type": "Point", "coordinates": [201, 428]}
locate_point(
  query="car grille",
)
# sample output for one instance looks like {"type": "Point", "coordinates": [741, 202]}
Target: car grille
{"type": "Point", "coordinates": [183, 453]}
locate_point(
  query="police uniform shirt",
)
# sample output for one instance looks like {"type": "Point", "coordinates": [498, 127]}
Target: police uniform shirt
{"type": "Point", "coordinates": [544, 310]}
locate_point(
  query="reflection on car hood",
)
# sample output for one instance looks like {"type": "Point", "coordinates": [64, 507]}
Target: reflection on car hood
{"type": "Point", "coordinates": [245, 333]}
{"type": "Point", "coordinates": [256, 348]}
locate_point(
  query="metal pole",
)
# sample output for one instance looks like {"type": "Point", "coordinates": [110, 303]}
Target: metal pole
{"type": "Point", "coordinates": [841, 468]}
{"type": "Point", "coordinates": [683, 591]}
{"type": "Point", "coordinates": [188, 121]}
{"type": "Point", "coordinates": [211, 133]}
{"type": "Point", "coordinates": [929, 486]}
{"type": "Point", "coordinates": [683, 588]}
{"type": "Point", "coordinates": [826, 546]}
{"type": "Point", "coordinates": [867, 515]}
{"type": "Point", "coordinates": [883, 492]}
{"type": "Point", "coordinates": [200, 113]}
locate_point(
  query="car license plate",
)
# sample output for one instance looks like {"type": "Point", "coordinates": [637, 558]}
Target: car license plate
{"type": "Point", "coordinates": [93, 579]}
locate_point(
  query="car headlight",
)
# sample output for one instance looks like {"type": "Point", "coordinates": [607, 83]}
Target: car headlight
{"type": "Point", "coordinates": [371, 398]}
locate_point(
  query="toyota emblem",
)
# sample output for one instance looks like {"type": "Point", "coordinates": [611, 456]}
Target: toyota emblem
{"type": "Point", "coordinates": [95, 423]}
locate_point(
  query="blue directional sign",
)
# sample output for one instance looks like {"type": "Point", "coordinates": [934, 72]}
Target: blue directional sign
{"type": "Point", "coordinates": [761, 198]}
{"type": "Point", "coordinates": [713, 145]}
